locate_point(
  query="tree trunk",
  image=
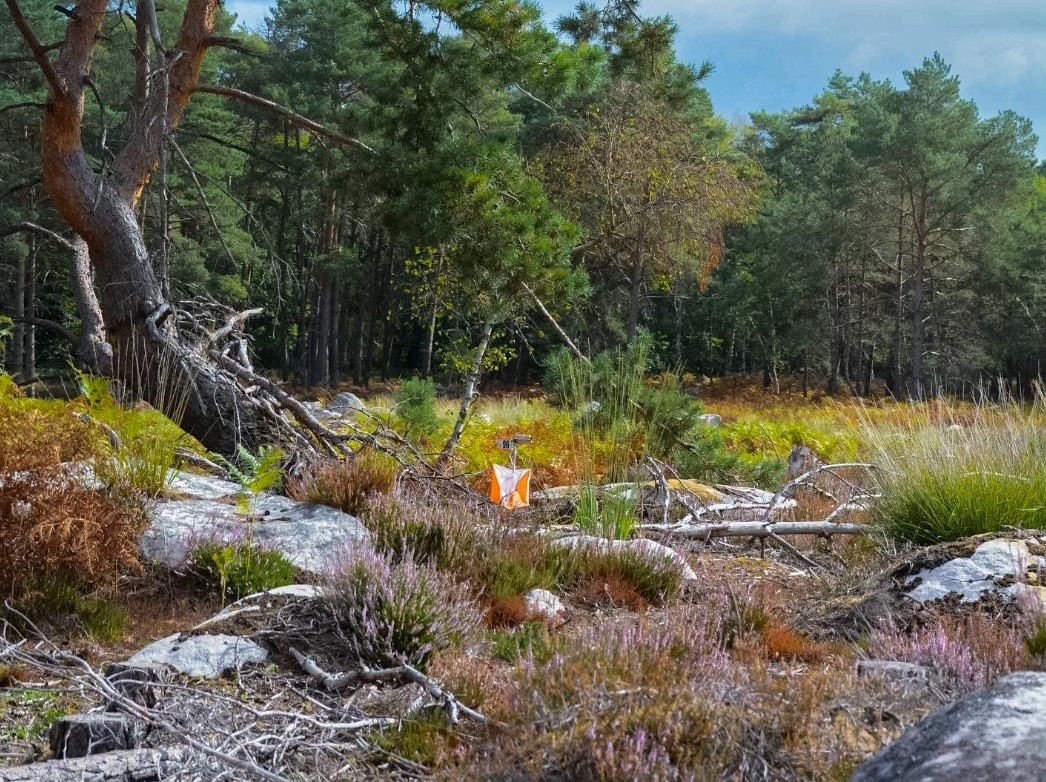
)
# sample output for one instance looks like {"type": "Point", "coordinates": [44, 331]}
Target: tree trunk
{"type": "Point", "coordinates": [29, 334]}
{"type": "Point", "coordinates": [148, 355]}
{"type": "Point", "coordinates": [15, 364]}
{"type": "Point", "coordinates": [470, 393]}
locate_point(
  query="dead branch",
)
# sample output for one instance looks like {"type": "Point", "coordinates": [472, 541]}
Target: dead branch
{"type": "Point", "coordinates": [134, 765]}
{"type": "Point", "coordinates": [832, 469]}
{"type": "Point", "coordinates": [283, 111]}
{"type": "Point", "coordinates": [408, 672]}
{"type": "Point", "coordinates": [756, 529]}
{"type": "Point", "coordinates": [555, 324]}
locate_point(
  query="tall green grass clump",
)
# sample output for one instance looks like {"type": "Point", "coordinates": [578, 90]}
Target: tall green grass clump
{"type": "Point", "coordinates": [940, 480]}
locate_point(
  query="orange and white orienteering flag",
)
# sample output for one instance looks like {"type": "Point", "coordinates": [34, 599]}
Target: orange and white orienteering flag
{"type": "Point", "coordinates": [509, 488]}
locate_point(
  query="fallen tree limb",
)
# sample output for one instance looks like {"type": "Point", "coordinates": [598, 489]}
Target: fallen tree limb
{"type": "Point", "coordinates": [757, 529]}
{"type": "Point", "coordinates": [453, 706]}
{"type": "Point", "coordinates": [133, 765]}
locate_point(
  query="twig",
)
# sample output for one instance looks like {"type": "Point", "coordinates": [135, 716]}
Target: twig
{"type": "Point", "coordinates": [409, 672]}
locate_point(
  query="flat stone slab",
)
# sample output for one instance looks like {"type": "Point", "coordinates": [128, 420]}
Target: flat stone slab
{"type": "Point", "coordinates": [994, 734]}
{"type": "Point", "coordinates": [306, 533]}
{"type": "Point", "coordinates": [1001, 559]}
{"type": "Point", "coordinates": [201, 656]}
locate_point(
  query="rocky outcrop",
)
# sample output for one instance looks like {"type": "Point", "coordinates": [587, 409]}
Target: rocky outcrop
{"type": "Point", "coordinates": [306, 533]}
{"type": "Point", "coordinates": [995, 734]}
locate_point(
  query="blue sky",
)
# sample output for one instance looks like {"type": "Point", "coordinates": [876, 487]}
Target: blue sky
{"type": "Point", "coordinates": [777, 54]}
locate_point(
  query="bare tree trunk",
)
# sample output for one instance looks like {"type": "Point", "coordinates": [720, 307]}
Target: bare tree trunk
{"type": "Point", "coordinates": [470, 393]}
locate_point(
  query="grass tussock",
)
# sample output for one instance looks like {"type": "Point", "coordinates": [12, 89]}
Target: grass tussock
{"type": "Point", "coordinates": [947, 476]}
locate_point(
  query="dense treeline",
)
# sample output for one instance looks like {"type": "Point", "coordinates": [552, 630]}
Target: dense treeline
{"type": "Point", "coordinates": [490, 184]}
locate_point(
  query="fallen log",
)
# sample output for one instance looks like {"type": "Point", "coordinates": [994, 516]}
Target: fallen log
{"type": "Point", "coordinates": [135, 765]}
{"type": "Point", "coordinates": [756, 529]}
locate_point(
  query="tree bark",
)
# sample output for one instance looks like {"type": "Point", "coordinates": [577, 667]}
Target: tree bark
{"type": "Point", "coordinates": [137, 765]}
{"type": "Point", "coordinates": [94, 352]}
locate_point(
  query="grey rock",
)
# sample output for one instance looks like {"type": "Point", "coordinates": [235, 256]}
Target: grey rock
{"type": "Point", "coordinates": [344, 403]}
{"type": "Point", "coordinates": [200, 656]}
{"type": "Point", "coordinates": [641, 546]}
{"type": "Point", "coordinates": [201, 487]}
{"type": "Point", "coordinates": [80, 735]}
{"type": "Point", "coordinates": [893, 669]}
{"type": "Point", "coordinates": [977, 575]}
{"type": "Point", "coordinates": [711, 419]}
{"type": "Point", "coordinates": [306, 533]}
{"type": "Point", "coordinates": [994, 734]}
{"type": "Point", "coordinates": [543, 603]}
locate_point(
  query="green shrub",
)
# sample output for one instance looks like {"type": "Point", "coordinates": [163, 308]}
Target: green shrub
{"type": "Point", "coordinates": [149, 440]}
{"type": "Point", "coordinates": [416, 408]}
{"type": "Point", "coordinates": [237, 568]}
{"type": "Point", "coordinates": [1035, 641]}
{"type": "Point", "coordinates": [57, 599]}
{"type": "Point", "coordinates": [254, 473]}
{"type": "Point", "coordinates": [621, 416]}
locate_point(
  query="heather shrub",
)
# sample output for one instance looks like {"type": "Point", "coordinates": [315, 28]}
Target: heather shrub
{"type": "Point", "coordinates": [394, 612]}
{"type": "Point", "coordinates": [51, 522]}
{"type": "Point", "coordinates": [346, 484]}
{"type": "Point", "coordinates": [237, 567]}
{"type": "Point", "coordinates": [427, 529]}
{"type": "Point", "coordinates": [967, 652]}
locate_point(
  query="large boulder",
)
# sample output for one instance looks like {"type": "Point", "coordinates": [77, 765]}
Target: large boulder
{"type": "Point", "coordinates": [345, 403]}
{"type": "Point", "coordinates": [306, 533]}
{"type": "Point", "coordinates": [995, 734]}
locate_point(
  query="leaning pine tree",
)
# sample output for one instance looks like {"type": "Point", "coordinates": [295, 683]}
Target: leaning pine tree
{"type": "Point", "coordinates": [155, 353]}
